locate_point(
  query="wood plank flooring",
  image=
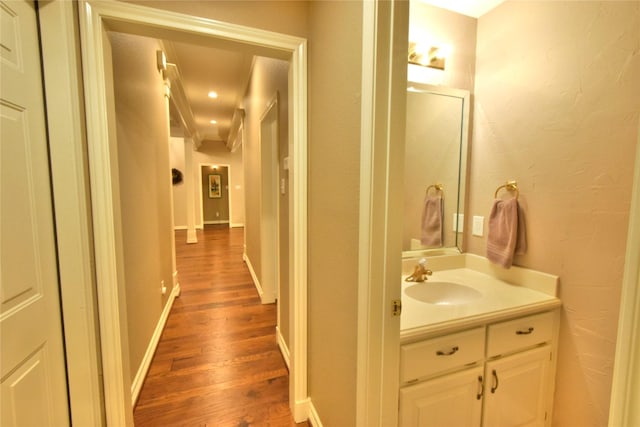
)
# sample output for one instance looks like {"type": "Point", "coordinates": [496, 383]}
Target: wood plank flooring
{"type": "Point", "coordinates": [217, 363]}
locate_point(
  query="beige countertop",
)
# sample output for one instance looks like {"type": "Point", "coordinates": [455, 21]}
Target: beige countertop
{"type": "Point", "coordinates": [504, 294]}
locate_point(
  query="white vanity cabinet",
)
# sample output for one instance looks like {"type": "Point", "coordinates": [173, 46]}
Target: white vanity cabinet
{"type": "Point", "coordinates": [494, 375]}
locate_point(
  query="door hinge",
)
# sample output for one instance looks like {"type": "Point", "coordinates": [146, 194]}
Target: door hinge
{"type": "Point", "coordinates": [397, 307]}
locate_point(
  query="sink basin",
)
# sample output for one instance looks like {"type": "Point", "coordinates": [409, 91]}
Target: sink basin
{"type": "Point", "coordinates": [442, 293]}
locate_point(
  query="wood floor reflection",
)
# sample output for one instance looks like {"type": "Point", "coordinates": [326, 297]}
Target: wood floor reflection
{"type": "Point", "coordinates": [217, 363]}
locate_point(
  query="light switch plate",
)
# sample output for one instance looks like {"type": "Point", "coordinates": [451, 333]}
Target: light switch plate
{"type": "Point", "coordinates": [478, 226]}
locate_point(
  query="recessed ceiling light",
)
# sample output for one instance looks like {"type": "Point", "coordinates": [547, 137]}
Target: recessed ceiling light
{"type": "Point", "coordinates": [213, 94]}
{"type": "Point", "coordinates": [213, 122]}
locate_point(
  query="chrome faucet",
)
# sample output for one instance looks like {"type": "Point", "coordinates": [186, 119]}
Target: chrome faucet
{"type": "Point", "coordinates": [420, 272]}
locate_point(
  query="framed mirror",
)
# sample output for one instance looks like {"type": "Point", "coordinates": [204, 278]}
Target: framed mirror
{"type": "Point", "coordinates": [435, 166]}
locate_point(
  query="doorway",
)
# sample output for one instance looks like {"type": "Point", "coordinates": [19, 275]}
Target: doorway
{"type": "Point", "coordinates": [215, 197]}
{"type": "Point", "coordinates": [95, 17]}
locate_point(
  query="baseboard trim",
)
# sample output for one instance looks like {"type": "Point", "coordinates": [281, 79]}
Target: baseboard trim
{"type": "Point", "coordinates": [283, 347]}
{"type": "Point", "coordinates": [223, 221]}
{"type": "Point", "coordinates": [254, 277]}
{"type": "Point", "coordinates": [236, 225]}
{"type": "Point", "coordinates": [138, 381]}
{"type": "Point", "coordinates": [313, 417]}
{"type": "Point", "coordinates": [180, 227]}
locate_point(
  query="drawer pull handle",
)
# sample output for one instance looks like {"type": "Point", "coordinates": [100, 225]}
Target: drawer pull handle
{"type": "Point", "coordinates": [494, 387]}
{"type": "Point", "coordinates": [448, 353]}
{"type": "Point", "coordinates": [480, 387]}
{"type": "Point", "coordinates": [526, 332]}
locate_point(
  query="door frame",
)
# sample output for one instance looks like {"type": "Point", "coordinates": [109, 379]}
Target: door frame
{"type": "Point", "coordinates": [623, 409]}
{"type": "Point", "coordinates": [200, 165]}
{"type": "Point", "coordinates": [96, 18]}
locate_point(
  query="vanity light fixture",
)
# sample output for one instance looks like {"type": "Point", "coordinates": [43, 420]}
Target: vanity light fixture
{"type": "Point", "coordinates": [432, 56]}
{"type": "Point", "coordinates": [212, 94]}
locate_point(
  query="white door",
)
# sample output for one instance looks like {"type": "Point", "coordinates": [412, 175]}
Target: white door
{"type": "Point", "coordinates": [33, 380]}
{"type": "Point", "coordinates": [453, 400]}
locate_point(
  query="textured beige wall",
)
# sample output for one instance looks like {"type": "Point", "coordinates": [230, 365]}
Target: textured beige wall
{"type": "Point", "coordinates": [145, 186]}
{"type": "Point", "coordinates": [557, 103]}
{"type": "Point", "coordinates": [335, 30]}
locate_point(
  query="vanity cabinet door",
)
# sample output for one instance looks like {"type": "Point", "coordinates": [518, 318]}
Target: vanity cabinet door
{"type": "Point", "coordinates": [454, 400]}
{"type": "Point", "coordinates": [517, 389]}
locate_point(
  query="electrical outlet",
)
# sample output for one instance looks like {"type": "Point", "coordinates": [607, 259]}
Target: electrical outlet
{"type": "Point", "coordinates": [478, 226]}
{"type": "Point", "coordinates": [163, 288]}
{"type": "Point", "coordinates": [217, 214]}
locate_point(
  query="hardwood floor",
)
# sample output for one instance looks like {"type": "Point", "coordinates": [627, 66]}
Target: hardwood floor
{"type": "Point", "coordinates": [217, 363]}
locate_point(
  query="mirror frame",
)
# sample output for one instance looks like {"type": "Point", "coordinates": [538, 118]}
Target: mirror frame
{"type": "Point", "coordinates": [465, 136]}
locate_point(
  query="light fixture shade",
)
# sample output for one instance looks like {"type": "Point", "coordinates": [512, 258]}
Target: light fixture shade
{"type": "Point", "coordinates": [432, 57]}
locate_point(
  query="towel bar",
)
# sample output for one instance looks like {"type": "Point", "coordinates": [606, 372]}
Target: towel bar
{"type": "Point", "coordinates": [510, 185]}
{"type": "Point", "coordinates": [438, 187]}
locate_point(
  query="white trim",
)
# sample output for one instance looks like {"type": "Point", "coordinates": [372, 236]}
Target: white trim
{"type": "Point", "coordinates": [314, 418]}
{"type": "Point", "coordinates": [179, 227]}
{"type": "Point", "coordinates": [298, 396]}
{"type": "Point", "coordinates": [385, 39]}
{"type": "Point", "coordinates": [62, 81]}
{"type": "Point", "coordinates": [236, 225]}
{"type": "Point", "coordinates": [106, 225]}
{"type": "Point", "coordinates": [624, 410]}
{"type": "Point", "coordinates": [254, 276]}
{"type": "Point", "coordinates": [284, 350]}
{"type": "Point", "coordinates": [125, 17]}
{"type": "Point", "coordinates": [222, 221]}
{"type": "Point", "coordinates": [138, 380]}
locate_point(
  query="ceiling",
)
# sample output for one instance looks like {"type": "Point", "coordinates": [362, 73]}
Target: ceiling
{"type": "Point", "coordinates": [473, 8]}
{"type": "Point", "coordinates": [198, 70]}
{"type": "Point", "coordinates": [195, 71]}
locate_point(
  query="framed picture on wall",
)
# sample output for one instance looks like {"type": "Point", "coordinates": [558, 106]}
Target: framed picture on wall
{"type": "Point", "coordinates": [215, 187]}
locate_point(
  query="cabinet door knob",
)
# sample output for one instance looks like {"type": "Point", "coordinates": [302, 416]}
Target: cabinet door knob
{"type": "Point", "coordinates": [447, 353]}
{"type": "Point", "coordinates": [494, 387]}
{"type": "Point", "coordinates": [525, 332]}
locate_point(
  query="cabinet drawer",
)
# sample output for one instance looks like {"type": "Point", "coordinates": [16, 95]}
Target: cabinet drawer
{"type": "Point", "coordinates": [520, 333]}
{"type": "Point", "coordinates": [434, 355]}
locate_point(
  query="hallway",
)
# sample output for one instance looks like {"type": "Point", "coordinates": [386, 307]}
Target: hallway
{"type": "Point", "coordinates": [217, 363]}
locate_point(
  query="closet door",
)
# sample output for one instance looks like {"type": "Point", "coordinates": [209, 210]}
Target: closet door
{"type": "Point", "coordinates": [33, 389]}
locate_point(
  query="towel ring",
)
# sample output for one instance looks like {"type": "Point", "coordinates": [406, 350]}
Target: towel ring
{"type": "Point", "coordinates": [510, 186]}
{"type": "Point", "coordinates": [437, 187]}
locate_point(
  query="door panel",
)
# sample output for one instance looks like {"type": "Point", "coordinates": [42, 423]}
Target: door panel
{"type": "Point", "coordinates": [32, 369]}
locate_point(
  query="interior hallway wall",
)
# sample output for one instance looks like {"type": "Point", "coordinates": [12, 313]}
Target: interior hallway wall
{"type": "Point", "coordinates": [557, 104]}
{"type": "Point", "coordinates": [145, 186]}
{"type": "Point", "coordinates": [269, 77]}
{"type": "Point", "coordinates": [335, 70]}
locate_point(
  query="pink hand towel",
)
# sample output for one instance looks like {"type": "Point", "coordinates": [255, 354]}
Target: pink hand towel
{"type": "Point", "coordinates": [432, 215]}
{"type": "Point", "coordinates": [506, 235]}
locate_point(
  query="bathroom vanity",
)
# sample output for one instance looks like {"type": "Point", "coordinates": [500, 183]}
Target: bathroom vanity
{"type": "Point", "coordinates": [478, 345]}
